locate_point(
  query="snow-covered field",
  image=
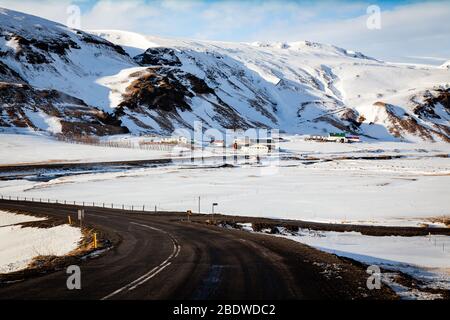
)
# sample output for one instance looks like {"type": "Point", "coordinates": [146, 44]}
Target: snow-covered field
{"type": "Point", "coordinates": [401, 191]}
{"type": "Point", "coordinates": [19, 246]}
{"type": "Point", "coordinates": [32, 149]}
{"type": "Point", "coordinates": [298, 145]}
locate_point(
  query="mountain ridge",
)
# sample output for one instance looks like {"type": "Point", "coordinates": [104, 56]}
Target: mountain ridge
{"type": "Point", "coordinates": [155, 85]}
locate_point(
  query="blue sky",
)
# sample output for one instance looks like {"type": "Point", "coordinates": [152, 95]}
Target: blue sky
{"type": "Point", "coordinates": [411, 31]}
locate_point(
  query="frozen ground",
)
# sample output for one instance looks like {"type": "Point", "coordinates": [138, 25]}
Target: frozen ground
{"type": "Point", "coordinates": [19, 246]}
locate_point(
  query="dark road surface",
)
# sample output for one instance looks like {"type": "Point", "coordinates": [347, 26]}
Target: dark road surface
{"type": "Point", "coordinates": [162, 257]}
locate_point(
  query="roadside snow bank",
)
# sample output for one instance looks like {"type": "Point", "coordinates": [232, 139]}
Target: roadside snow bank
{"type": "Point", "coordinates": [19, 246]}
{"type": "Point", "coordinates": [9, 218]}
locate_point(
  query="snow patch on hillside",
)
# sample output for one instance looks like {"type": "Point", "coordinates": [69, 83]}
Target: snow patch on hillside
{"type": "Point", "coordinates": [133, 43]}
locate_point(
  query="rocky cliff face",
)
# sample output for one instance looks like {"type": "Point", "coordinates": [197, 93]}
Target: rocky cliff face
{"type": "Point", "coordinates": [49, 110]}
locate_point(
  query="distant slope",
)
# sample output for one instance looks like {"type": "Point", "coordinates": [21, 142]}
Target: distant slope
{"type": "Point", "coordinates": [300, 87]}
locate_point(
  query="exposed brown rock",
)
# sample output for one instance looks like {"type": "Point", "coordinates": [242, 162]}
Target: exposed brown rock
{"type": "Point", "coordinates": [432, 99]}
{"type": "Point", "coordinates": [18, 101]}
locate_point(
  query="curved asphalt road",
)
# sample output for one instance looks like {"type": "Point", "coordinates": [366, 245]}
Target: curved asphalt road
{"type": "Point", "coordinates": [162, 257]}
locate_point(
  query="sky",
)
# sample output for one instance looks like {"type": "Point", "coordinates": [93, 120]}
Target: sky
{"type": "Point", "coordinates": [401, 31]}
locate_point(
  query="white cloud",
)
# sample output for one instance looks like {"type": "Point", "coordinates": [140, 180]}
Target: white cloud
{"type": "Point", "coordinates": [126, 15]}
{"type": "Point", "coordinates": [49, 9]}
{"type": "Point", "coordinates": [414, 30]}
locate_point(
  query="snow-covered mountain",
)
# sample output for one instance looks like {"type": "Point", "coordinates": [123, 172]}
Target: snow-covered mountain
{"type": "Point", "coordinates": [149, 84]}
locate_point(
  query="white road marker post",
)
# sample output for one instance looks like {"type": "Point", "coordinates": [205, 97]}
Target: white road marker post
{"type": "Point", "coordinates": [213, 206]}
{"type": "Point", "coordinates": [81, 217]}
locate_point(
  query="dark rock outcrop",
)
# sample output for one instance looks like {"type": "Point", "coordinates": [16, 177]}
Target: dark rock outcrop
{"type": "Point", "coordinates": [21, 105]}
{"type": "Point", "coordinates": [158, 57]}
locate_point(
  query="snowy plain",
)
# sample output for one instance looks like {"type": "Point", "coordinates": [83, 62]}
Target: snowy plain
{"type": "Point", "coordinates": [41, 149]}
{"type": "Point", "coordinates": [337, 187]}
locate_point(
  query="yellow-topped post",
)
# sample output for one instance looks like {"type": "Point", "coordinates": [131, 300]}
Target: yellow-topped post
{"type": "Point", "coordinates": [95, 241]}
